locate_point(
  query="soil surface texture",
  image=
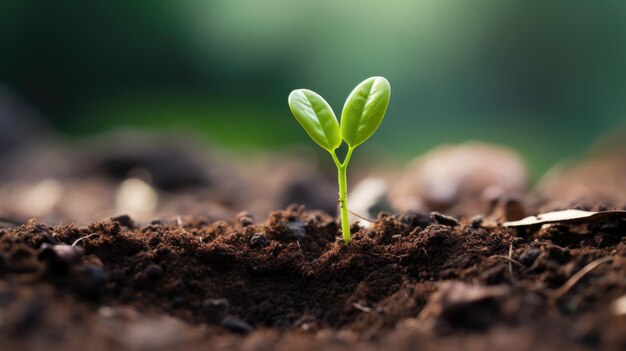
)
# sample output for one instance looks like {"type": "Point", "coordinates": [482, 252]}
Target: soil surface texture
{"type": "Point", "coordinates": [287, 282]}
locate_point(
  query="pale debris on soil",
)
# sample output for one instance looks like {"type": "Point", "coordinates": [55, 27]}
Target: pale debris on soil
{"type": "Point", "coordinates": [566, 216]}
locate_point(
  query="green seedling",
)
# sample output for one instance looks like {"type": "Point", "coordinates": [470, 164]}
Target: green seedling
{"type": "Point", "coordinates": [362, 113]}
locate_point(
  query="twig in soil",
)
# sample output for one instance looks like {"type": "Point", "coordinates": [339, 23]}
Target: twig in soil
{"type": "Point", "coordinates": [511, 261]}
{"type": "Point", "coordinates": [361, 307]}
{"type": "Point", "coordinates": [578, 276]}
{"type": "Point", "coordinates": [443, 219]}
{"type": "Point", "coordinates": [363, 218]}
{"type": "Point", "coordinates": [558, 247]}
{"type": "Point", "coordinates": [427, 258]}
{"type": "Point", "coordinates": [84, 237]}
{"type": "Point", "coordinates": [179, 222]}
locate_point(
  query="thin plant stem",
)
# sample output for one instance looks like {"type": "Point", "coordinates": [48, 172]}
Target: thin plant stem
{"type": "Point", "coordinates": [343, 203]}
{"type": "Point", "coordinates": [343, 192]}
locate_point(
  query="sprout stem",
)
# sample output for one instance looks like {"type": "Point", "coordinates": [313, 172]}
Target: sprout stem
{"type": "Point", "coordinates": [343, 203]}
{"type": "Point", "coordinates": [343, 192]}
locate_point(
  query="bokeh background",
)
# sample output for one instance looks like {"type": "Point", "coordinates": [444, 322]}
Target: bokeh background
{"type": "Point", "coordinates": [545, 78]}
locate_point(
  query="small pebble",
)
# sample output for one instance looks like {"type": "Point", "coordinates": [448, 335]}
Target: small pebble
{"type": "Point", "coordinates": [443, 219]}
{"type": "Point", "coordinates": [259, 240]}
{"type": "Point", "coordinates": [529, 256]}
{"type": "Point", "coordinates": [91, 279]}
{"type": "Point", "coordinates": [396, 237]}
{"type": "Point", "coordinates": [477, 221]}
{"type": "Point", "coordinates": [162, 252]}
{"type": "Point", "coordinates": [124, 220]}
{"type": "Point", "coordinates": [236, 325]}
{"type": "Point", "coordinates": [39, 228]}
{"type": "Point", "coordinates": [215, 309]}
{"type": "Point", "coordinates": [156, 222]}
{"type": "Point", "coordinates": [60, 254]}
{"type": "Point", "coordinates": [297, 228]}
{"type": "Point", "coordinates": [245, 218]}
{"type": "Point", "coordinates": [153, 272]}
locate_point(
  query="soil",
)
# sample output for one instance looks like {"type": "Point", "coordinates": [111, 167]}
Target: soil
{"type": "Point", "coordinates": [410, 281]}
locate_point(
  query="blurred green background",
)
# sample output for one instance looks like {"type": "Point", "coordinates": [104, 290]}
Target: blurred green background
{"type": "Point", "coordinates": [545, 78]}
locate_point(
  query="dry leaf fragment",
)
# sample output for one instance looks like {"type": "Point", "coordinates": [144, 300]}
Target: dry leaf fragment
{"type": "Point", "coordinates": [566, 216]}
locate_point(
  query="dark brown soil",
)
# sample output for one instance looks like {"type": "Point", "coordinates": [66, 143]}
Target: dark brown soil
{"type": "Point", "coordinates": [288, 283]}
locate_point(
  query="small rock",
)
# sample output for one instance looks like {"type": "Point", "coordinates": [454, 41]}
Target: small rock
{"type": "Point", "coordinates": [215, 309]}
{"type": "Point", "coordinates": [414, 220]}
{"type": "Point", "coordinates": [529, 256]}
{"type": "Point", "coordinates": [38, 227]}
{"type": "Point", "coordinates": [354, 228]}
{"type": "Point", "coordinates": [163, 252]}
{"type": "Point", "coordinates": [477, 221]}
{"type": "Point", "coordinates": [91, 280]}
{"type": "Point", "coordinates": [155, 222]}
{"type": "Point", "coordinates": [245, 218]}
{"type": "Point", "coordinates": [60, 254]}
{"type": "Point", "coordinates": [153, 272]}
{"type": "Point", "coordinates": [259, 240]}
{"type": "Point", "coordinates": [124, 220]}
{"type": "Point", "coordinates": [443, 219]}
{"type": "Point", "coordinates": [297, 228]}
{"type": "Point", "coordinates": [236, 325]}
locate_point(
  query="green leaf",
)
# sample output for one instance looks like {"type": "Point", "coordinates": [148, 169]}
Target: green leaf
{"type": "Point", "coordinates": [316, 117]}
{"type": "Point", "coordinates": [364, 110]}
